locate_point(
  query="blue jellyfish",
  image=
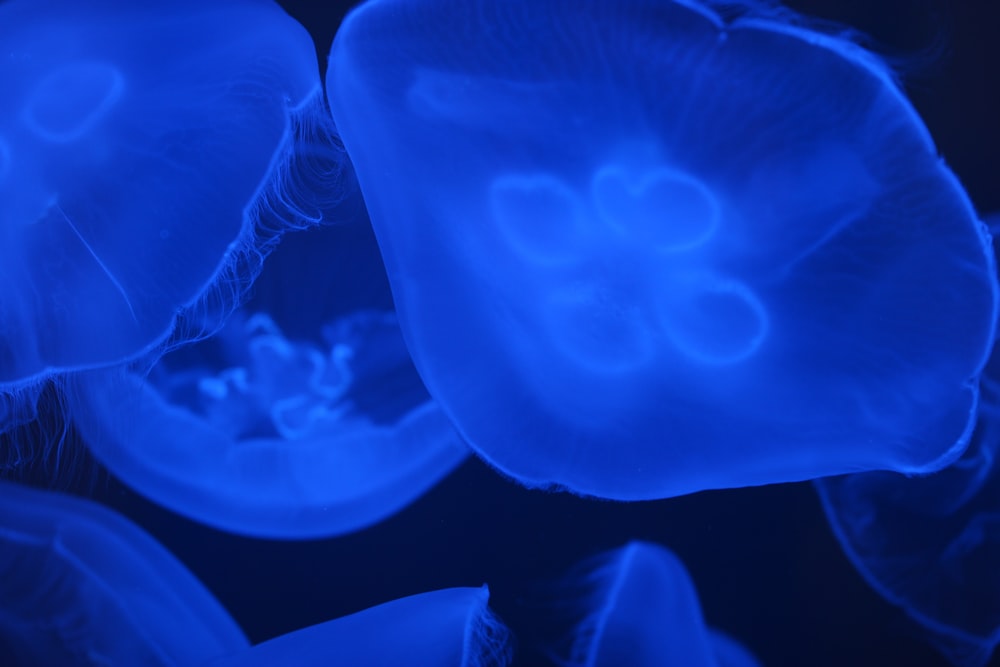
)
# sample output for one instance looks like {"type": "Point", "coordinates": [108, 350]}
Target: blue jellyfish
{"type": "Point", "coordinates": [452, 627]}
{"type": "Point", "coordinates": [641, 249]}
{"type": "Point", "coordinates": [148, 152]}
{"type": "Point", "coordinates": [930, 544]}
{"type": "Point", "coordinates": [80, 585]}
{"type": "Point", "coordinates": [641, 609]}
{"type": "Point", "coordinates": [261, 432]}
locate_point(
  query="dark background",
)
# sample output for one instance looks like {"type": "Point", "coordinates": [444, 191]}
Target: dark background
{"type": "Point", "coordinates": [765, 564]}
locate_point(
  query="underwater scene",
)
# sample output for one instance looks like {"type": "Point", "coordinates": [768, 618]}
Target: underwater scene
{"type": "Point", "coordinates": [475, 333]}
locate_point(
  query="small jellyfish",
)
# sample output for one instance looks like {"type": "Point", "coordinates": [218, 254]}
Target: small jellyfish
{"type": "Point", "coordinates": [452, 627]}
{"type": "Point", "coordinates": [146, 151]}
{"type": "Point", "coordinates": [260, 433]}
{"type": "Point", "coordinates": [80, 585]}
{"type": "Point", "coordinates": [641, 249]}
{"type": "Point", "coordinates": [640, 608]}
{"type": "Point", "coordinates": [930, 544]}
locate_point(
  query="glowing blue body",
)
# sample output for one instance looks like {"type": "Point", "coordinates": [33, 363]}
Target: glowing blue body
{"type": "Point", "coordinates": [271, 444]}
{"type": "Point", "coordinates": [639, 251]}
{"type": "Point", "coordinates": [136, 142]}
{"type": "Point", "coordinates": [452, 627]}
{"type": "Point", "coordinates": [641, 609]}
{"type": "Point", "coordinates": [80, 585]}
{"type": "Point", "coordinates": [931, 544]}
{"type": "Point", "coordinates": [638, 248]}
{"type": "Point", "coordinates": [312, 427]}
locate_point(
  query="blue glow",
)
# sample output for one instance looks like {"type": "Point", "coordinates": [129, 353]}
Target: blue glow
{"type": "Point", "coordinates": [931, 544]}
{"type": "Point", "coordinates": [302, 417]}
{"type": "Point", "coordinates": [453, 627]}
{"type": "Point", "coordinates": [125, 140]}
{"type": "Point", "coordinates": [637, 249]}
{"type": "Point", "coordinates": [272, 445]}
{"type": "Point", "coordinates": [675, 253]}
{"type": "Point", "coordinates": [137, 211]}
{"type": "Point", "coordinates": [80, 585]}
{"type": "Point", "coordinates": [640, 608]}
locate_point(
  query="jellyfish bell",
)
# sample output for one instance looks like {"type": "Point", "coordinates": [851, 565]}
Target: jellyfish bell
{"type": "Point", "coordinates": [138, 146]}
{"type": "Point", "coordinates": [82, 585]}
{"type": "Point", "coordinates": [275, 447]}
{"type": "Point", "coordinates": [302, 417]}
{"type": "Point", "coordinates": [451, 627]}
{"type": "Point", "coordinates": [640, 249]}
{"type": "Point", "coordinates": [638, 606]}
{"type": "Point", "coordinates": [929, 543]}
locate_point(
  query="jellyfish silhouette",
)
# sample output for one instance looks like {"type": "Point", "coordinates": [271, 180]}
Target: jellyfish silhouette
{"type": "Point", "coordinates": [930, 544]}
{"type": "Point", "coordinates": [640, 608]}
{"type": "Point", "coordinates": [258, 433]}
{"type": "Point", "coordinates": [452, 627]}
{"type": "Point", "coordinates": [141, 149]}
{"type": "Point", "coordinates": [641, 249]}
{"type": "Point", "coordinates": [80, 585]}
